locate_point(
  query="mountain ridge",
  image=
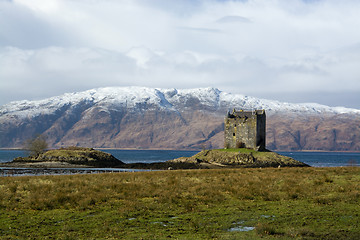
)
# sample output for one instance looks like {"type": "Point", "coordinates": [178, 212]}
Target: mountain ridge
{"type": "Point", "coordinates": [141, 117]}
{"type": "Point", "coordinates": [166, 98]}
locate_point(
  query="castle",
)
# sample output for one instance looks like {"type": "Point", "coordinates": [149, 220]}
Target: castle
{"type": "Point", "coordinates": [245, 129]}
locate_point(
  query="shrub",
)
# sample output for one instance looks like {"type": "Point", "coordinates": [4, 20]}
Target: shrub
{"type": "Point", "coordinates": [36, 145]}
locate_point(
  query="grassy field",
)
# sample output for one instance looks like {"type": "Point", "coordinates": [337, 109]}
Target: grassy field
{"type": "Point", "coordinates": [268, 203]}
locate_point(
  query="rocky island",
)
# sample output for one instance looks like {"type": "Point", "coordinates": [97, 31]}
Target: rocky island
{"type": "Point", "coordinates": [242, 157]}
{"type": "Point", "coordinates": [223, 158]}
{"type": "Point", "coordinates": [67, 157]}
{"type": "Point", "coordinates": [77, 157]}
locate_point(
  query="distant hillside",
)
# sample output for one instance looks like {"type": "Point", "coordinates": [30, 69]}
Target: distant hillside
{"type": "Point", "coordinates": [138, 117]}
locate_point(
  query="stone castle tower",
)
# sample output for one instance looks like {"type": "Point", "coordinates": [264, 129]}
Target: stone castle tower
{"type": "Point", "coordinates": [245, 129]}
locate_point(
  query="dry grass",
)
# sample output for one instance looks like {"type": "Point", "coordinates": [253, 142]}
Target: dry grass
{"type": "Point", "coordinates": [200, 196]}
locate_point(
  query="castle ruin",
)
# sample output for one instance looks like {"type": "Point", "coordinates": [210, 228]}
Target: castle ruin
{"type": "Point", "coordinates": [245, 129]}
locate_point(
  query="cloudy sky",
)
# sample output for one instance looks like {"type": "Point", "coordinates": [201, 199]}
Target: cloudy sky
{"type": "Point", "coordinates": [288, 50]}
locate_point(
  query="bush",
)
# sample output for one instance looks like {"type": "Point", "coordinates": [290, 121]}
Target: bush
{"type": "Point", "coordinates": [36, 145]}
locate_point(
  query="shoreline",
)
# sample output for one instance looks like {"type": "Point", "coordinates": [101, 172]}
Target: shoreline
{"type": "Point", "coordinates": [37, 167]}
{"type": "Point", "coordinates": [18, 171]}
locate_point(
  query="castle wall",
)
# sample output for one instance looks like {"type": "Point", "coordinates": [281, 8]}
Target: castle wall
{"type": "Point", "coordinates": [245, 129]}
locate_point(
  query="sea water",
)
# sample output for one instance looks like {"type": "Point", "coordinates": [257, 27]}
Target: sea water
{"type": "Point", "coordinates": [314, 159]}
{"type": "Point", "coordinates": [326, 159]}
{"type": "Point", "coordinates": [9, 155]}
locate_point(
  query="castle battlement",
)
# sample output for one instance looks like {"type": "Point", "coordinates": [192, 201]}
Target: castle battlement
{"type": "Point", "coordinates": [245, 129]}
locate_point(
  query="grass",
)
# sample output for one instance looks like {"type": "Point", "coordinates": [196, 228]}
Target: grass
{"type": "Point", "coordinates": [254, 152]}
{"type": "Point", "coordinates": [285, 203]}
{"type": "Point", "coordinates": [242, 150]}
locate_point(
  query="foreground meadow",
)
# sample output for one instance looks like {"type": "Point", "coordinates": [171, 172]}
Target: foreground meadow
{"type": "Point", "coordinates": [285, 203]}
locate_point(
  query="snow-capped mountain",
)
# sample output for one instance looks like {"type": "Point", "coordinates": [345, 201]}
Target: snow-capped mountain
{"type": "Point", "coordinates": [169, 99]}
{"type": "Point", "coordinates": [139, 117]}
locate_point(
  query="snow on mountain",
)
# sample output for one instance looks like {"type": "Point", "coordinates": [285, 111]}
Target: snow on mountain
{"type": "Point", "coordinates": [154, 118]}
{"type": "Point", "coordinates": [167, 99]}
{"type": "Point", "coordinates": [276, 106]}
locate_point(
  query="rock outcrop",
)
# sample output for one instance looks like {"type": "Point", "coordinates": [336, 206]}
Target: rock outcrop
{"type": "Point", "coordinates": [240, 158]}
{"type": "Point", "coordinates": [74, 156]}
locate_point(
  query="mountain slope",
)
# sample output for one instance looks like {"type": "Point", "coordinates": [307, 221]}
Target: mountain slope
{"type": "Point", "coordinates": [138, 117]}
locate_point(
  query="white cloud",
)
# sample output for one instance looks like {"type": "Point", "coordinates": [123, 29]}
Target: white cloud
{"type": "Point", "coordinates": [233, 19]}
{"type": "Point", "coordinates": [256, 47]}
